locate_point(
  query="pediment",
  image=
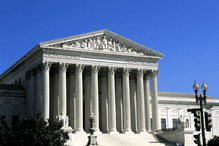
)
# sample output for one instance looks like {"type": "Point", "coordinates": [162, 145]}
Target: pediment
{"type": "Point", "coordinates": [102, 40]}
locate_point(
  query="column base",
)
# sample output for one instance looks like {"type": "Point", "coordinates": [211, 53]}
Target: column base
{"type": "Point", "coordinates": [143, 132]}
{"type": "Point", "coordinates": [97, 131]}
{"type": "Point", "coordinates": [80, 131]}
{"type": "Point", "coordinates": [128, 131]}
{"type": "Point", "coordinates": [113, 131]}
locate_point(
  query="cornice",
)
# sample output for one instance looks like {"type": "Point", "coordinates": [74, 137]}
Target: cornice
{"type": "Point", "coordinates": [102, 53]}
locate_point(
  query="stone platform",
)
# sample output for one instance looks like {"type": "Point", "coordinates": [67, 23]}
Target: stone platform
{"type": "Point", "coordinates": [121, 140]}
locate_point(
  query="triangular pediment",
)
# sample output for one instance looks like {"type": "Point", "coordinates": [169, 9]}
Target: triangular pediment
{"type": "Point", "coordinates": [102, 40]}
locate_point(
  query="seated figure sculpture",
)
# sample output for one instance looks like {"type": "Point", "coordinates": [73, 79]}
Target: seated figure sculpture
{"type": "Point", "coordinates": [64, 119]}
{"type": "Point", "coordinates": [182, 122]}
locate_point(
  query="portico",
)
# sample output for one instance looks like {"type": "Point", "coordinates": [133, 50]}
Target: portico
{"type": "Point", "coordinates": [99, 72]}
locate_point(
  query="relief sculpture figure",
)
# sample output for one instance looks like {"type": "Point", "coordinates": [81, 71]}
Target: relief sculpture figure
{"type": "Point", "coordinates": [84, 44]}
{"type": "Point", "coordinates": [118, 47]}
{"type": "Point", "coordinates": [104, 43]}
{"type": "Point", "coordinates": [124, 49]}
{"type": "Point", "coordinates": [94, 44]}
{"type": "Point", "coordinates": [90, 44]}
{"type": "Point", "coordinates": [98, 43]}
{"type": "Point", "coordinates": [77, 45]}
{"type": "Point", "coordinates": [110, 45]}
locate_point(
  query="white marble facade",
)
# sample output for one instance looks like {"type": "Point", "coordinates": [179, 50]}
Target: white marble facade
{"type": "Point", "coordinates": [99, 72]}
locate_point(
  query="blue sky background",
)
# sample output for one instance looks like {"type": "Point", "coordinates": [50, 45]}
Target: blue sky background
{"type": "Point", "coordinates": [185, 31]}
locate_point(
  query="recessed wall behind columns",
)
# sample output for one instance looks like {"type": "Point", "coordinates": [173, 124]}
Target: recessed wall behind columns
{"type": "Point", "coordinates": [119, 100]}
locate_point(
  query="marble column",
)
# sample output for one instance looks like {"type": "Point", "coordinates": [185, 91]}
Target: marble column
{"type": "Point", "coordinates": [154, 98]}
{"type": "Point", "coordinates": [87, 96]}
{"type": "Point", "coordinates": [72, 108]}
{"type": "Point", "coordinates": [141, 108]}
{"type": "Point", "coordinates": [95, 97]}
{"type": "Point", "coordinates": [104, 102]}
{"type": "Point", "coordinates": [147, 103]}
{"type": "Point", "coordinates": [28, 93]}
{"type": "Point", "coordinates": [39, 89]}
{"type": "Point", "coordinates": [133, 94]}
{"type": "Point", "coordinates": [126, 102]}
{"type": "Point", "coordinates": [62, 88]}
{"type": "Point", "coordinates": [45, 98]}
{"type": "Point", "coordinates": [79, 99]}
{"type": "Point", "coordinates": [112, 102]}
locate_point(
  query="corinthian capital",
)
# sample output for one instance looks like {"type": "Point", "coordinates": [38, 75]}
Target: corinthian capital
{"type": "Point", "coordinates": [47, 65]}
{"type": "Point", "coordinates": [111, 70]}
{"type": "Point", "coordinates": [126, 71]}
{"type": "Point", "coordinates": [154, 73]}
{"type": "Point", "coordinates": [95, 69]}
{"type": "Point", "coordinates": [140, 73]}
{"type": "Point", "coordinates": [63, 66]}
{"type": "Point", "coordinates": [79, 68]}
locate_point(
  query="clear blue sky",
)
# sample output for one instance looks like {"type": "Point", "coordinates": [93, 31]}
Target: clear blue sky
{"type": "Point", "coordinates": [185, 31]}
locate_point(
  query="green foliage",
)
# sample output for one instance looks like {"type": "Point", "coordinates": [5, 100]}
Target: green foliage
{"type": "Point", "coordinates": [32, 131]}
{"type": "Point", "coordinates": [214, 141]}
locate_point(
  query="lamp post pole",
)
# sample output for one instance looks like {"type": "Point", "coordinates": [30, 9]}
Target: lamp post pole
{"type": "Point", "coordinates": [200, 98]}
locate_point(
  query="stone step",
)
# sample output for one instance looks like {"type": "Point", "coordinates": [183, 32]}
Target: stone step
{"type": "Point", "coordinates": [122, 140]}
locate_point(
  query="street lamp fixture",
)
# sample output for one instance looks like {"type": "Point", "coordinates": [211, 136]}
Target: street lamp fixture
{"type": "Point", "coordinates": [200, 98]}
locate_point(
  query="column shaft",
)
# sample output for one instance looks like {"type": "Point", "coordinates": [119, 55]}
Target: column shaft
{"type": "Point", "coordinates": [62, 88]}
{"type": "Point", "coordinates": [147, 103]}
{"type": "Point", "coordinates": [141, 107]}
{"type": "Point", "coordinates": [112, 103]}
{"type": "Point", "coordinates": [45, 74]}
{"type": "Point", "coordinates": [126, 101]}
{"type": "Point", "coordinates": [133, 94]}
{"type": "Point", "coordinates": [154, 98]}
{"type": "Point", "coordinates": [95, 96]}
{"type": "Point", "coordinates": [79, 99]}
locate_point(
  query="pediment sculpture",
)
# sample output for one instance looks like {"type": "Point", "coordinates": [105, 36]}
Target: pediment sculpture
{"type": "Point", "coordinates": [102, 43]}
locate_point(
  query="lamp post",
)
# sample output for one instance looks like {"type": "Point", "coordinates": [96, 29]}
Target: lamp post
{"type": "Point", "coordinates": [200, 98]}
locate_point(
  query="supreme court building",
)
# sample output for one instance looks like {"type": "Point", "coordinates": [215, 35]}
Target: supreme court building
{"type": "Point", "coordinates": [98, 72]}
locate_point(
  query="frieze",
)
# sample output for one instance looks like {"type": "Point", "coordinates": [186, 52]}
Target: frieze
{"type": "Point", "coordinates": [142, 62]}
